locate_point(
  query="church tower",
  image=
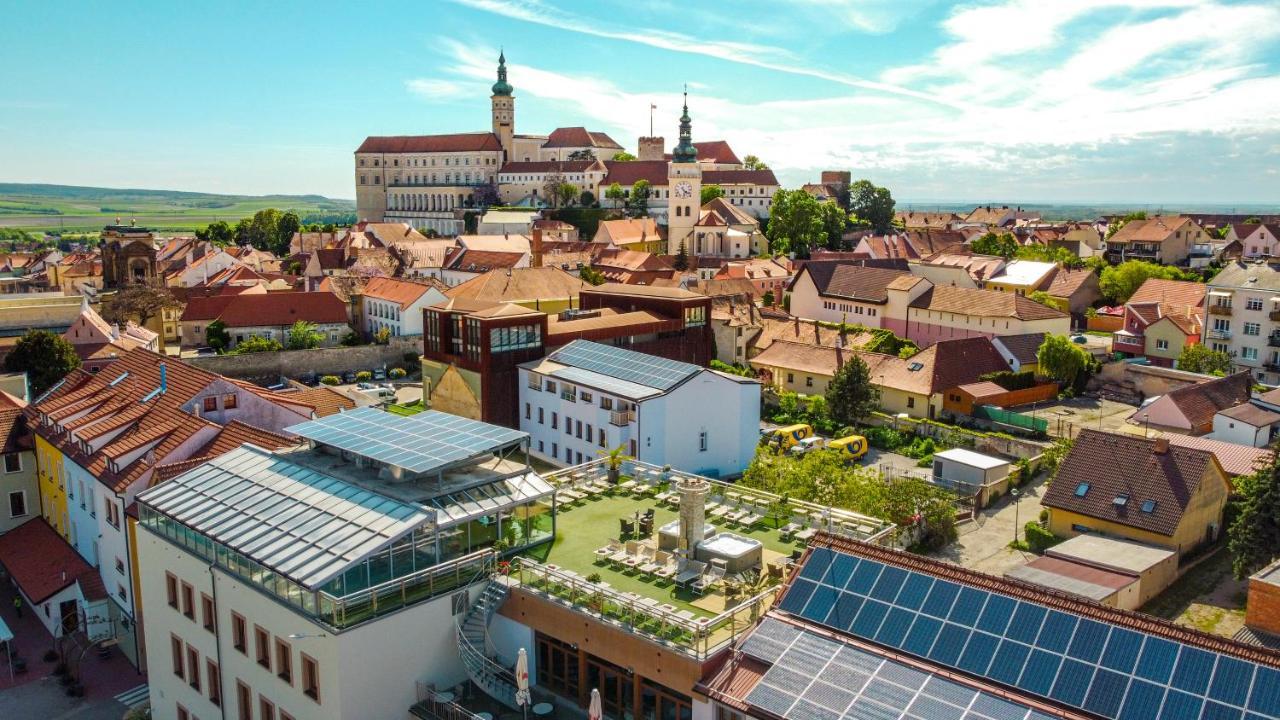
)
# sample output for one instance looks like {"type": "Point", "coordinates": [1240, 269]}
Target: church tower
{"type": "Point", "coordinates": [503, 107]}
{"type": "Point", "coordinates": [684, 183]}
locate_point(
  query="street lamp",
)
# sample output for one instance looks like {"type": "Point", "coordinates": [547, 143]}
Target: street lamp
{"type": "Point", "coordinates": [1146, 424]}
{"type": "Point", "coordinates": [1017, 506]}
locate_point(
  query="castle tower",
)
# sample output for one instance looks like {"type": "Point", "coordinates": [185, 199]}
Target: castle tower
{"type": "Point", "coordinates": [503, 107]}
{"type": "Point", "coordinates": [693, 512]}
{"type": "Point", "coordinates": [684, 181]}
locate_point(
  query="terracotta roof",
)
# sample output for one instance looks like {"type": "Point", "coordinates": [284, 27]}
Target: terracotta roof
{"type": "Point", "coordinates": [326, 401]}
{"type": "Point", "coordinates": [984, 303]}
{"type": "Point", "coordinates": [673, 293]}
{"type": "Point", "coordinates": [628, 231]}
{"type": "Point", "coordinates": [726, 212]}
{"type": "Point", "coordinates": [235, 433]}
{"type": "Point", "coordinates": [1200, 402]}
{"type": "Point", "coordinates": [269, 309]}
{"type": "Point", "coordinates": [402, 292]}
{"type": "Point", "coordinates": [817, 359]}
{"type": "Point", "coordinates": [579, 137]}
{"type": "Point", "coordinates": [718, 287]}
{"type": "Point", "coordinates": [331, 258]}
{"type": "Point", "coordinates": [914, 219]}
{"type": "Point", "coordinates": [610, 319]}
{"type": "Point", "coordinates": [1023, 348]}
{"type": "Point", "coordinates": [1152, 230]}
{"type": "Point", "coordinates": [796, 330]}
{"type": "Point", "coordinates": [1251, 414]}
{"type": "Point", "coordinates": [520, 285]}
{"type": "Point", "coordinates": [42, 563]}
{"type": "Point", "coordinates": [1104, 466]}
{"type": "Point", "coordinates": [1172, 293]}
{"type": "Point", "coordinates": [978, 267]}
{"type": "Point", "coordinates": [1235, 459]}
{"type": "Point", "coordinates": [629, 172]}
{"type": "Point", "coordinates": [987, 214]}
{"type": "Point", "coordinates": [1066, 282]}
{"type": "Point", "coordinates": [717, 151]}
{"type": "Point", "coordinates": [943, 365]}
{"type": "Point", "coordinates": [982, 389]}
{"type": "Point", "coordinates": [738, 177]}
{"type": "Point", "coordinates": [457, 142]}
{"type": "Point", "coordinates": [844, 280]}
{"type": "Point", "coordinates": [483, 260]}
{"type": "Point", "coordinates": [13, 427]}
{"type": "Point", "coordinates": [622, 259]}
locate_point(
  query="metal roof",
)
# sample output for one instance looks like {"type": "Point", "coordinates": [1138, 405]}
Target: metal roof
{"type": "Point", "coordinates": [430, 440]}
{"type": "Point", "coordinates": [971, 458]}
{"type": "Point", "coordinates": [622, 364]}
{"type": "Point", "coordinates": [303, 524]}
{"type": "Point", "coordinates": [464, 505]}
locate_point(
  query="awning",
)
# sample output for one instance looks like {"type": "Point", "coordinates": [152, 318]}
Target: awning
{"type": "Point", "coordinates": [1220, 293]}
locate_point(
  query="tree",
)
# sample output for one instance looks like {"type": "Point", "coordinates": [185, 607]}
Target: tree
{"type": "Point", "coordinates": [579, 155]}
{"type": "Point", "coordinates": [1062, 360]}
{"type": "Point", "coordinates": [487, 195]}
{"type": "Point", "coordinates": [1254, 535]}
{"type": "Point", "coordinates": [139, 303]}
{"type": "Point", "coordinates": [217, 232]}
{"type": "Point", "coordinates": [795, 223]}
{"type": "Point", "coordinates": [551, 187]}
{"type": "Point", "coordinates": [1201, 359]}
{"type": "Point", "coordinates": [216, 336]}
{"type": "Point", "coordinates": [751, 162]}
{"type": "Point", "coordinates": [711, 192]}
{"type": "Point", "coordinates": [768, 298]}
{"type": "Point", "coordinates": [44, 356]}
{"type": "Point", "coordinates": [639, 202]}
{"type": "Point", "coordinates": [1045, 253]}
{"type": "Point", "coordinates": [303, 335]}
{"type": "Point", "coordinates": [681, 261]}
{"type": "Point", "coordinates": [257, 344]}
{"type": "Point", "coordinates": [591, 276]}
{"type": "Point", "coordinates": [1004, 245]}
{"type": "Point", "coordinates": [1119, 282]}
{"type": "Point", "coordinates": [1042, 297]}
{"type": "Point", "coordinates": [262, 230]}
{"type": "Point", "coordinates": [615, 194]}
{"type": "Point", "coordinates": [622, 156]}
{"type": "Point", "coordinates": [834, 222]}
{"type": "Point", "coordinates": [873, 204]}
{"type": "Point", "coordinates": [850, 395]}
{"type": "Point", "coordinates": [566, 194]}
{"type": "Point", "coordinates": [1114, 227]}
{"type": "Point", "coordinates": [586, 199]}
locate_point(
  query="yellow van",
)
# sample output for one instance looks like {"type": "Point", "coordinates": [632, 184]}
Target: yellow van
{"type": "Point", "coordinates": [784, 437]}
{"type": "Point", "coordinates": [851, 448]}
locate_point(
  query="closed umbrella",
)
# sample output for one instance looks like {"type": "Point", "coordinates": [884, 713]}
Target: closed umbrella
{"type": "Point", "coordinates": [595, 712]}
{"type": "Point", "coordinates": [522, 681]}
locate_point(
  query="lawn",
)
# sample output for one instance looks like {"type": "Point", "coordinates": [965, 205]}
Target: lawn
{"type": "Point", "coordinates": [1207, 598]}
{"type": "Point", "coordinates": [410, 408]}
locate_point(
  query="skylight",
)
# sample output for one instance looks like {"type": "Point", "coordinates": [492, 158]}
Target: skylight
{"type": "Point", "coordinates": [1121, 500]}
{"type": "Point", "coordinates": [1081, 489]}
{"type": "Point", "coordinates": [1148, 506]}
{"type": "Point", "coordinates": [915, 366]}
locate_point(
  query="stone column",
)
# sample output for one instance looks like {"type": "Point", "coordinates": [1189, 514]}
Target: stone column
{"type": "Point", "coordinates": [693, 516]}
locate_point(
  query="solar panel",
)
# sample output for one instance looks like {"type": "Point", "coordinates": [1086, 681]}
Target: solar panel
{"type": "Point", "coordinates": [418, 443]}
{"type": "Point", "coordinates": [629, 365]}
{"type": "Point", "coordinates": [1110, 671]}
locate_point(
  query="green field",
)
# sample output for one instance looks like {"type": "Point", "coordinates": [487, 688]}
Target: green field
{"type": "Point", "coordinates": [67, 207]}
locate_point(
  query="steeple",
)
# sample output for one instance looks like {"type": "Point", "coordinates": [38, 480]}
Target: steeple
{"type": "Point", "coordinates": [685, 152]}
{"type": "Point", "coordinates": [502, 87]}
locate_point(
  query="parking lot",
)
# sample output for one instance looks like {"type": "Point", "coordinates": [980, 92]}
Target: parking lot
{"type": "Point", "coordinates": [1068, 417]}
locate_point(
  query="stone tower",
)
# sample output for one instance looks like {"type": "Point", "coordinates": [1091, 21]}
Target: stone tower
{"type": "Point", "coordinates": [503, 107]}
{"type": "Point", "coordinates": [684, 182]}
{"type": "Point", "coordinates": [651, 148]}
{"type": "Point", "coordinates": [693, 512]}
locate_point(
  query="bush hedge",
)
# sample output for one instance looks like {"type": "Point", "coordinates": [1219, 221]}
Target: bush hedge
{"type": "Point", "coordinates": [1039, 538]}
{"type": "Point", "coordinates": [331, 380]}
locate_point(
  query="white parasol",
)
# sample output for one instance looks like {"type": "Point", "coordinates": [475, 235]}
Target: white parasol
{"type": "Point", "coordinates": [595, 712]}
{"type": "Point", "coordinates": [522, 680]}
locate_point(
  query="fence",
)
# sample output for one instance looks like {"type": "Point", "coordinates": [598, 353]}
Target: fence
{"type": "Point", "coordinates": [1002, 416]}
{"type": "Point", "coordinates": [954, 436]}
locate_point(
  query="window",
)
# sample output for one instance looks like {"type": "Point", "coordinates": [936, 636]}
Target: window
{"type": "Point", "coordinates": [171, 589]}
{"type": "Point", "coordinates": [120, 566]}
{"type": "Point", "coordinates": [702, 441]}
{"type": "Point", "coordinates": [12, 462]}
{"type": "Point", "coordinates": [188, 601]}
{"type": "Point", "coordinates": [175, 645]}
{"type": "Point", "coordinates": [285, 716]}
{"type": "Point", "coordinates": [1252, 328]}
{"type": "Point", "coordinates": [540, 416]}
{"type": "Point", "coordinates": [1162, 344]}
{"type": "Point", "coordinates": [214, 679]}
{"type": "Point", "coordinates": [791, 377]}
{"type": "Point", "coordinates": [262, 646]}
{"type": "Point", "coordinates": [266, 709]}
{"type": "Point", "coordinates": [310, 677]}
{"type": "Point", "coordinates": [113, 513]}
{"type": "Point", "coordinates": [555, 450]}
{"type": "Point", "coordinates": [911, 402]}
{"type": "Point", "coordinates": [193, 668]}
{"type": "Point", "coordinates": [808, 381]}
{"type": "Point", "coordinates": [244, 701]}
{"type": "Point", "coordinates": [1082, 489]}
{"type": "Point", "coordinates": [585, 396]}
{"type": "Point", "coordinates": [229, 401]}
{"type": "Point", "coordinates": [1148, 506]}
{"type": "Point", "coordinates": [183, 714]}
{"type": "Point", "coordinates": [1253, 303]}
{"type": "Point", "coordinates": [1249, 353]}
{"type": "Point", "coordinates": [606, 403]}
{"type": "Point", "coordinates": [551, 387]}
{"type": "Point", "coordinates": [210, 404]}
{"type": "Point", "coordinates": [589, 433]}
{"type": "Point", "coordinates": [528, 411]}
{"type": "Point", "coordinates": [206, 612]}
{"type": "Point", "coordinates": [1120, 500]}
{"type": "Point", "coordinates": [239, 633]}
{"type": "Point", "coordinates": [284, 661]}
{"type": "Point", "coordinates": [17, 503]}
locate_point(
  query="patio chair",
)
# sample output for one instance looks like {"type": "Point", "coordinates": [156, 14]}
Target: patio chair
{"type": "Point", "coordinates": [648, 561]}
{"type": "Point", "coordinates": [711, 578]}
{"type": "Point", "coordinates": [603, 554]}
{"type": "Point", "coordinates": [646, 527]}
{"type": "Point", "coordinates": [619, 557]}
{"type": "Point", "coordinates": [666, 565]}
{"type": "Point", "coordinates": [786, 532]}
{"type": "Point", "coordinates": [628, 527]}
{"type": "Point", "coordinates": [689, 573]}
{"type": "Point", "coordinates": [635, 554]}
{"type": "Point", "coordinates": [750, 519]}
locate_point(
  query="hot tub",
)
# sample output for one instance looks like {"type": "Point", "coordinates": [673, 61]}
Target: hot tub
{"type": "Point", "coordinates": [669, 535]}
{"type": "Point", "coordinates": [738, 553]}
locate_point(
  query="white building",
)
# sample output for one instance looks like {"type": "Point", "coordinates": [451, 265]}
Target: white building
{"type": "Point", "coordinates": [972, 473]}
{"type": "Point", "coordinates": [587, 397]}
{"type": "Point", "coordinates": [397, 305]}
{"type": "Point", "coordinates": [325, 582]}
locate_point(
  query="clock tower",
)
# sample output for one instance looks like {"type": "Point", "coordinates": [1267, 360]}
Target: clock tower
{"type": "Point", "coordinates": [503, 105]}
{"type": "Point", "coordinates": [684, 185]}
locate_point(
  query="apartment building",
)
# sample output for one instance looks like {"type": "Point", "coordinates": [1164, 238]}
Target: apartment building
{"type": "Point", "coordinates": [396, 305]}
{"type": "Point", "coordinates": [1244, 318]}
{"type": "Point", "coordinates": [1164, 240]}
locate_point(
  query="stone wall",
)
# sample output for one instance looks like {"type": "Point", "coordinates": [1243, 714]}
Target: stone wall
{"type": "Point", "coordinates": [322, 361]}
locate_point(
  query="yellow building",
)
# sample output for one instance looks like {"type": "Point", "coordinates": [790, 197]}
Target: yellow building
{"type": "Point", "coordinates": [548, 289]}
{"type": "Point", "coordinates": [53, 491]}
{"type": "Point", "coordinates": [1168, 336]}
{"type": "Point", "coordinates": [1138, 488]}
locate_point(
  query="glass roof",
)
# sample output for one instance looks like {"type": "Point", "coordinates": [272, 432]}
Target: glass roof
{"type": "Point", "coordinates": [430, 440]}
{"type": "Point", "coordinates": [464, 505]}
{"type": "Point", "coordinates": [636, 367]}
{"type": "Point", "coordinates": [303, 524]}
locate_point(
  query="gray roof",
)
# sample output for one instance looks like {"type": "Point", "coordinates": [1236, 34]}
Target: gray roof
{"type": "Point", "coordinates": [622, 364]}
{"type": "Point", "coordinates": [1248, 275]}
{"type": "Point", "coordinates": [429, 441]}
{"type": "Point", "coordinates": [304, 525]}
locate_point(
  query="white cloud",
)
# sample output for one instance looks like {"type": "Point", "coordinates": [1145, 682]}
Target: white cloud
{"type": "Point", "coordinates": [443, 90]}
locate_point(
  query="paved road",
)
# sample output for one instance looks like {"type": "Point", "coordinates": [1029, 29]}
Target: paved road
{"type": "Point", "coordinates": [45, 699]}
{"type": "Point", "coordinates": [984, 543]}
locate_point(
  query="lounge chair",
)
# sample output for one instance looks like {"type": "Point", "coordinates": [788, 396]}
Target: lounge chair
{"type": "Point", "coordinates": [690, 572]}
{"type": "Point", "coordinates": [666, 565]}
{"type": "Point", "coordinates": [712, 577]}
{"type": "Point", "coordinates": [648, 560]}
{"type": "Point", "coordinates": [604, 553]}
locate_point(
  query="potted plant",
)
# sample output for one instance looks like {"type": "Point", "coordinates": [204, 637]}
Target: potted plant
{"type": "Point", "coordinates": [614, 459]}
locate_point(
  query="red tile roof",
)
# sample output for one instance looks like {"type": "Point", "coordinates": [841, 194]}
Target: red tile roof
{"type": "Point", "coordinates": [271, 309]}
{"type": "Point", "coordinates": [326, 401]}
{"type": "Point", "coordinates": [402, 292]}
{"type": "Point", "coordinates": [717, 151]}
{"type": "Point", "coordinates": [546, 166]}
{"type": "Point", "coordinates": [43, 564]}
{"type": "Point", "coordinates": [984, 303]}
{"type": "Point", "coordinates": [630, 172]}
{"type": "Point", "coordinates": [739, 177]}
{"type": "Point", "coordinates": [1200, 402]}
{"type": "Point", "coordinates": [579, 137]}
{"type": "Point", "coordinates": [847, 280]}
{"type": "Point", "coordinates": [456, 142]}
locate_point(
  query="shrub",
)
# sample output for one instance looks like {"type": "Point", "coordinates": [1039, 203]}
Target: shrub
{"type": "Point", "coordinates": [1010, 380]}
{"type": "Point", "coordinates": [331, 380]}
{"type": "Point", "coordinates": [1039, 538]}
{"type": "Point", "coordinates": [396, 373]}
{"type": "Point", "coordinates": [364, 376]}
{"type": "Point", "coordinates": [412, 359]}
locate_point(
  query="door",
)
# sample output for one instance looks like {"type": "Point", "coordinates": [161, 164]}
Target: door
{"type": "Point", "coordinates": [70, 614]}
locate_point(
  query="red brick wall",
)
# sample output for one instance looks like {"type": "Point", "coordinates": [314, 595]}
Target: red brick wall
{"type": "Point", "coordinates": [1263, 609]}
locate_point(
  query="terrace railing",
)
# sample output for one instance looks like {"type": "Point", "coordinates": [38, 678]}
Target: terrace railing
{"type": "Point", "coordinates": [433, 706]}
{"type": "Point", "coordinates": [357, 607]}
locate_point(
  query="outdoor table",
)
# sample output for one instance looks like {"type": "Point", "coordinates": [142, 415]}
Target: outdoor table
{"type": "Point", "coordinates": [542, 709]}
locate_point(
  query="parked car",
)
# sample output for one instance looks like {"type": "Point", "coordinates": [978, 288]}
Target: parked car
{"type": "Point", "coordinates": [205, 351]}
{"type": "Point", "coordinates": [379, 374]}
{"type": "Point", "coordinates": [309, 378]}
{"type": "Point", "coordinates": [808, 445]}
{"type": "Point", "coordinates": [349, 377]}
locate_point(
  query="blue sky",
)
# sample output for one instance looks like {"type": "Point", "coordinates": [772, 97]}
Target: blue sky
{"type": "Point", "coordinates": [1138, 101]}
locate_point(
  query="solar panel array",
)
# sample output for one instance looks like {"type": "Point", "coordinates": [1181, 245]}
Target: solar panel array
{"type": "Point", "coordinates": [816, 678]}
{"type": "Point", "coordinates": [629, 365]}
{"type": "Point", "coordinates": [614, 386]}
{"type": "Point", "coordinates": [1110, 671]}
{"type": "Point", "coordinates": [417, 443]}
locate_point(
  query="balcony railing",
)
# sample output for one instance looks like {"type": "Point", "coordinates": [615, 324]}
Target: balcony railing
{"type": "Point", "coordinates": [621, 418]}
{"type": "Point", "coordinates": [1129, 341]}
{"type": "Point", "coordinates": [1273, 340]}
{"type": "Point", "coordinates": [1220, 309]}
{"type": "Point", "coordinates": [1272, 366]}
{"type": "Point", "coordinates": [1218, 334]}
{"type": "Point", "coordinates": [358, 607]}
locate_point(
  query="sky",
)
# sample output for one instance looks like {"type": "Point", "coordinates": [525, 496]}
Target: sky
{"type": "Point", "coordinates": [1064, 101]}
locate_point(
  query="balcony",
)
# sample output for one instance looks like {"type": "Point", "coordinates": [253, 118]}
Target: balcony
{"type": "Point", "coordinates": [621, 418]}
{"type": "Point", "coordinates": [1218, 333]}
{"type": "Point", "coordinates": [1222, 310]}
{"type": "Point", "coordinates": [1272, 365]}
{"type": "Point", "coordinates": [1128, 343]}
{"type": "Point", "coordinates": [1274, 315]}
{"type": "Point", "coordinates": [1273, 340]}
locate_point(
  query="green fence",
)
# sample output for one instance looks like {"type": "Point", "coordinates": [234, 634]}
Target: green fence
{"type": "Point", "coordinates": [1013, 419]}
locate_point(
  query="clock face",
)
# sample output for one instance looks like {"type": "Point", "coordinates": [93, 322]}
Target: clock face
{"type": "Point", "coordinates": [684, 190]}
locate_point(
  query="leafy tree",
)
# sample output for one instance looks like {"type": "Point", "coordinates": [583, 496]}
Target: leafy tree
{"type": "Point", "coordinates": [1062, 360]}
{"type": "Point", "coordinates": [751, 162]}
{"type": "Point", "coordinates": [622, 156]}
{"type": "Point", "coordinates": [591, 276]}
{"type": "Point", "coordinates": [873, 204]}
{"type": "Point", "coordinates": [681, 261]}
{"type": "Point", "coordinates": [303, 335]}
{"type": "Point", "coordinates": [578, 155]}
{"type": "Point", "coordinates": [257, 344]}
{"type": "Point", "coordinates": [217, 232]}
{"type": "Point", "coordinates": [639, 202]}
{"type": "Point", "coordinates": [1042, 297]}
{"type": "Point", "coordinates": [44, 356]}
{"type": "Point", "coordinates": [566, 194]}
{"type": "Point", "coordinates": [850, 395]}
{"type": "Point", "coordinates": [216, 335]}
{"type": "Point", "coordinates": [1202, 359]}
{"type": "Point", "coordinates": [1044, 253]}
{"type": "Point", "coordinates": [139, 303]}
{"type": "Point", "coordinates": [1004, 245]}
{"type": "Point", "coordinates": [834, 222]}
{"type": "Point", "coordinates": [261, 231]}
{"type": "Point", "coordinates": [795, 223]}
{"type": "Point", "coordinates": [768, 298]}
{"type": "Point", "coordinates": [1119, 282]}
{"type": "Point", "coordinates": [551, 187]}
{"type": "Point", "coordinates": [1254, 534]}
{"type": "Point", "coordinates": [288, 224]}
{"type": "Point", "coordinates": [711, 192]}
{"type": "Point", "coordinates": [586, 199]}
{"type": "Point", "coordinates": [615, 194]}
{"type": "Point", "coordinates": [487, 195]}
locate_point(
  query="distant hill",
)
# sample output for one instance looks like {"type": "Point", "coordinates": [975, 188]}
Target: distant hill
{"type": "Point", "coordinates": [40, 207]}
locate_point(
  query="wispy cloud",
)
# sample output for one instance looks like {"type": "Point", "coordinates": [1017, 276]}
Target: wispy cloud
{"type": "Point", "coordinates": [440, 90]}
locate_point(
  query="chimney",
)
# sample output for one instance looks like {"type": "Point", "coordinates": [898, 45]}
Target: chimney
{"type": "Point", "coordinates": [1162, 446]}
{"type": "Point", "coordinates": [164, 378]}
{"type": "Point", "coordinates": [797, 326]}
{"type": "Point", "coordinates": [535, 248]}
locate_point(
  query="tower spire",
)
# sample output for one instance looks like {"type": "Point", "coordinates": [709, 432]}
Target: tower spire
{"type": "Point", "coordinates": [502, 87]}
{"type": "Point", "coordinates": [685, 152]}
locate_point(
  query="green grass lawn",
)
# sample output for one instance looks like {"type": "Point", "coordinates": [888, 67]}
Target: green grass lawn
{"type": "Point", "coordinates": [411, 408]}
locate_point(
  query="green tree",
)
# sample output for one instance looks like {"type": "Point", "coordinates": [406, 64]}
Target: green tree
{"type": "Point", "coordinates": [591, 276]}
{"type": "Point", "coordinates": [850, 395]}
{"type": "Point", "coordinates": [681, 261]}
{"type": "Point", "coordinates": [216, 336]}
{"type": "Point", "coordinates": [586, 199]}
{"type": "Point", "coordinates": [138, 303]}
{"type": "Point", "coordinates": [566, 193]}
{"type": "Point", "coordinates": [579, 155]}
{"type": "Point", "coordinates": [751, 162]}
{"type": "Point", "coordinates": [257, 344]}
{"type": "Point", "coordinates": [288, 224]}
{"type": "Point", "coordinates": [1004, 245]}
{"type": "Point", "coordinates": [1114, 227]}
{"type": "Point", "coordinates": [615, 194]}
{"type": "Point", "coordinates": [1042, 297]}
{"type": "Point", "coordinates": [1254, 534]}
{"type": "Point", "coordinates": [768, 298]}
{"type": "Point", "coordinates": [711, 192]}
{"type": "Point", "coordinates": [1062, 360]}
{"type": "Point", "coordinates": [834, 222]}
{"type": "Point", "coordinates": [1119, 282]}
{"type": "Point", "coordinates": [638, 203]}
{"type": "Point", "coordinates": [1044, 253]}
{"type": "Point", "coordinates": [303, 335]}
{"type": "Point", "coordinates": [622, 156]}
{"type": "Point", "coordinates": [262, 230]}
{"type": "Point", "coordinates": [873, 204]}
{"type": "Point", "coordinates": [44, 356]}
{"type": "Point", "coordinates": [795, 223]}
{"type": "Point", "coordinates": [217, 232]}
{"type": "Point", "coordinates": [1200, 358]}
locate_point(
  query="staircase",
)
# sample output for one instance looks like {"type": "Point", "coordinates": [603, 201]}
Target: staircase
{"type": "Point", "coordinates": [481, 665]}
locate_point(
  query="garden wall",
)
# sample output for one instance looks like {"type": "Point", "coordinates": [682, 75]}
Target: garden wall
{"type": "Point", "coordinates": [1105, 323]}
{"type": "Point", "coordinates": [952, 436]}
{"type": "Point", "coordinates": [322, 361]}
